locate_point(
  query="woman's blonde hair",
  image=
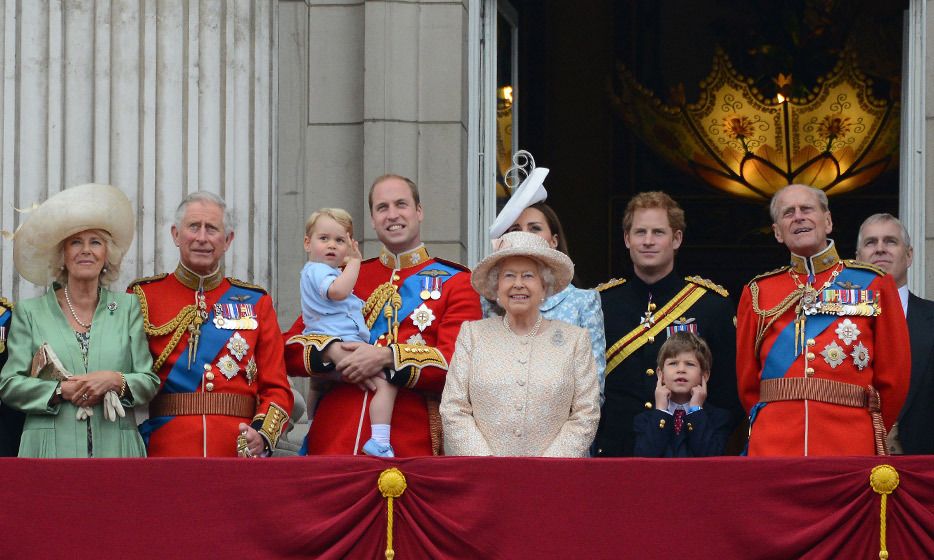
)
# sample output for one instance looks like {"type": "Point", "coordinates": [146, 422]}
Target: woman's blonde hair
{"type": "Point", "coordinates": [339, 215]}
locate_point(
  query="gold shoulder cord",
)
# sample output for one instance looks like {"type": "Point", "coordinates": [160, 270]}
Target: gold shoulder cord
{"type": "Point", "coordinates": [771, 314]}
{"type": "Point", "coordinates": [374, 304]}
{"type": "Point", "coordinates": [386, 299]}
{"type": "Point", "coordinates": [179, 324]}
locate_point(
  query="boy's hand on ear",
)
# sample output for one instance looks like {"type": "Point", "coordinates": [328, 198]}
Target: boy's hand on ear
{"type": "Point", "coordinates": [662, 394]}
{"type": "Point", "coordinates": [699, 393]}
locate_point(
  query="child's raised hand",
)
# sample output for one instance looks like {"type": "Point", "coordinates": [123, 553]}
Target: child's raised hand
{"type": "Point", "coordinates": [662, 394]}
{"type": "Point", "coordinates": [353, 253]}
{"type": "Point", "coordinates": [699, 393]}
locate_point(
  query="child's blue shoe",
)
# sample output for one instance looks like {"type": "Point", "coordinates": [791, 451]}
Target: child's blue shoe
{"type": "Point", "coordinates": [375, 449]}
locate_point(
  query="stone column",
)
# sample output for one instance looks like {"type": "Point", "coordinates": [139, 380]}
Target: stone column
{"type": "Point", "coordinates": [368, 88]}
{"type": "Point", "coordinates": [159, 98]}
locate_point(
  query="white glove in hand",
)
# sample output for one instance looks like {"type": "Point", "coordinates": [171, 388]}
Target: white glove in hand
{"type": "Point", "coordinates": [84, 412]}
{"type": "Point", "coordinates": [112, 406]}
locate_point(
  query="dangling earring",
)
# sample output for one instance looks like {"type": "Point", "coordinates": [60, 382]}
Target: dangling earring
{"type": "Point", "coordinates": [104, 270]}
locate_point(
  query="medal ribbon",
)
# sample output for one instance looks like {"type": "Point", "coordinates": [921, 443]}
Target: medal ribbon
{"type": "Point", "coordinates": [409, 290]}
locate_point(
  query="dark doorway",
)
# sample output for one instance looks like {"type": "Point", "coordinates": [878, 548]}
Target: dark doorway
{"type": "Point", "coordinates": [568, 56]}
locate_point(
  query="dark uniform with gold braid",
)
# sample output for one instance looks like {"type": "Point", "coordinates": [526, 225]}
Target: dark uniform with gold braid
{"type": "Point", "coordinates": [11, 421]}
{"type": "Point", "coordinates": [638, 319]}
{"type": "Point", "coordinates": [217, 350]}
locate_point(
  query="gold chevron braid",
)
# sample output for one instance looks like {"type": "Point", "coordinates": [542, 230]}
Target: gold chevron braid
{"type": "Point", "coordinates": [625, 346]}
{"type": "Point", "coordinates": [179, 324]}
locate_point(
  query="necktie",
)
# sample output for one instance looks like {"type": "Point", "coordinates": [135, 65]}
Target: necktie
{"type": "Point", "coordinates": [679, 420]}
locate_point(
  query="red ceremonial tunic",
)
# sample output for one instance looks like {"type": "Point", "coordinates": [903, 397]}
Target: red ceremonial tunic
{"type": "Point", "coordinates": [250, 365]}
{"type": "Point", "coordinates": [341, 422]}
{"type": "Point", "coordinates": [812, 427]}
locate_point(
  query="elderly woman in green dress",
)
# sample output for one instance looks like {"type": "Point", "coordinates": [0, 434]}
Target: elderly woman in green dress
{"type": "Point", "coordinates": [91, 337]}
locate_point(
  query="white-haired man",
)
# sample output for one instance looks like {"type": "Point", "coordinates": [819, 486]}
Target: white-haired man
{"type": "Point", "coordinates": [216, 345]}
{"type": "Point", "coordinates": [821, 345]}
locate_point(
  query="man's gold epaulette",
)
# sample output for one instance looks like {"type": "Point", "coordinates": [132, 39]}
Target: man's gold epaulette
{"type": "Point", "coordinates": [708, 284]}
{"type": "Point", "coordinates": [247, 285]}
{"type": "Point", "coordinates": [770, 273]}
{"type": "Point", "coordinates": [853, 263]}
{"type": "Point", "coordinates": [610, 284]}
{"type": "Point", "coordinates": [453, 264]}
{"type": "Point", "coordinates": [146, 280]}
{"type": "Point", "coordinates": [5, 303]}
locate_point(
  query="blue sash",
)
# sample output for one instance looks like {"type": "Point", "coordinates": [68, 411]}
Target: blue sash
{"type": "Point", "coordinates": [782, 353]}
{"type": "Point", "coordinates": [409, 291]}
{"type": "Point", "coordinates": [212, 340]}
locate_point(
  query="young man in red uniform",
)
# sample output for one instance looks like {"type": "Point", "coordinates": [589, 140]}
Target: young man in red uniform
{"type": "Point", "coordinates": [216, 345]}
{"type": "Point", "coordinates": [414, 307]}
{"type": "Point", "coordinates": [822, 358]}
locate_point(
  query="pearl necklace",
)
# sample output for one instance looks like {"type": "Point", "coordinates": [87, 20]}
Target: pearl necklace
{"type": "Point", "coordinates": [531, 333]}
{"type": "Point", "coordinates": [72, 309]}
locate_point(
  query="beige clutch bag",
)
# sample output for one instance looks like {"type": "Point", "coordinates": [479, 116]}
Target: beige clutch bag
{"type": "Point", "coordinates": [46, 365]}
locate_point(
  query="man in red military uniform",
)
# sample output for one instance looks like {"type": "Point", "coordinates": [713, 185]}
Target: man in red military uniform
{"type": "Point", "coordinates": [822, 359]}
{"type": "Point", "coordinates": [216, 345]}
{"type": "Point", "coordinates": [414, 307]}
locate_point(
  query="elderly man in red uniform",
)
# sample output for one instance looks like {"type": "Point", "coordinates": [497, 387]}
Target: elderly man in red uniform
{"type": "Point", "coordinates": [216, 345]}
{"type": "Point", "coordinates": [822, 358]}
{"type": "Point", "coordinates": [415, 305]}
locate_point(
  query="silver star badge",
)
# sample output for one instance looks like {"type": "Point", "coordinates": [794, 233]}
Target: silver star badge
{"type": "Point", "coordinates": [238, 346]}
{"type": "Point", "coordinates": [228, 366]}
{"type": "Point", "coordinates": [834, 354]}
{"type": "Point", "coordinates": [847, 331]}
{"type": "Point", "coordinates": [416, 340]}
{"type": "Point", "coordinates": [423, 316]}
{"type": "Point", "coordinates": [860, 356]}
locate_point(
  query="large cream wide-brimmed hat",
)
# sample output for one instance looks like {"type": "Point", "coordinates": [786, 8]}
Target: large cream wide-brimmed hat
{"type": "Point", "coordinates": [522, 244]}
{"type": "Point", "coordinates": [37, 242]}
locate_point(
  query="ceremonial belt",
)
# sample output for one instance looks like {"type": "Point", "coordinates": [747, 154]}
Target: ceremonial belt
{"type": "Point", "coordinates": [196, 404]}
{"type": "Point", "coordinates": [828, 391]}
{"type": "Point", "coordinates": [624, 347]}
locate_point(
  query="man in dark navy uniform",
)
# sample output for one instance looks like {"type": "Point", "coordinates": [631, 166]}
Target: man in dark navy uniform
{"type": "Point", "coordinates": [11, 421]}
{"type": "Point", "coordinates": [640, 313]}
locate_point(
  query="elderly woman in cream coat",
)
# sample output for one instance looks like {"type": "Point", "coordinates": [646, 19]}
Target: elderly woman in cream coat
{"type": "Point", "coordinates": [520, 385]}
{"type": "Point", "coordinates": [76, 240]}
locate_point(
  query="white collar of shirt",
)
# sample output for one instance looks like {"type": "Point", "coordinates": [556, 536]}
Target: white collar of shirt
{"type": "Point", "coordinates": [903, 295]}
{"type": "Point", "coordinates": [672, 407]}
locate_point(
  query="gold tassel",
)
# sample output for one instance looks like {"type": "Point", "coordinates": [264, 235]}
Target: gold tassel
{"type": "Point", "coordinates": [391, 484]}
{"type": "Point", "coordinates": [884, 480]}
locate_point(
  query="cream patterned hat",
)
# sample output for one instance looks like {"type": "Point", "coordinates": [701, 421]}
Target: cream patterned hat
{"type": "Point", "coordinates": [522, 244]}
{"type": "Point", "coordinates": [37, 242]}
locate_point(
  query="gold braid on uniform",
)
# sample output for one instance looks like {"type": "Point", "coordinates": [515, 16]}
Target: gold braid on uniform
{"type": "Point", "coordinates": [771, 314]}
{"type": "Point", "coordinates": [374, 304]}
{"type": "Point", "coordinates": [179, 324]}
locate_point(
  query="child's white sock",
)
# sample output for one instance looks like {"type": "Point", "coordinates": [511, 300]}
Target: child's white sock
{"type": "Point", "coordinates": [380, 433]}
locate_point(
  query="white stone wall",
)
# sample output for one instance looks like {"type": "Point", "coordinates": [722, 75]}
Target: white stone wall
{"type": "Point", "coordinates": [368, 88]}
{"type": "Point", "coordinates": [159, 98]}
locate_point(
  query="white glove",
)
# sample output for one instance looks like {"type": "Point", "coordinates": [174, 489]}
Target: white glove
{"type": "Point", "coordinates": [112, 406]}
{"type": "Point", "coordinates": [84, 412]}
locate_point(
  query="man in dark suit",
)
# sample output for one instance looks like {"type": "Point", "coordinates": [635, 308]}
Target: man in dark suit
{"type": "Point", "coordinates": [884, 242]}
